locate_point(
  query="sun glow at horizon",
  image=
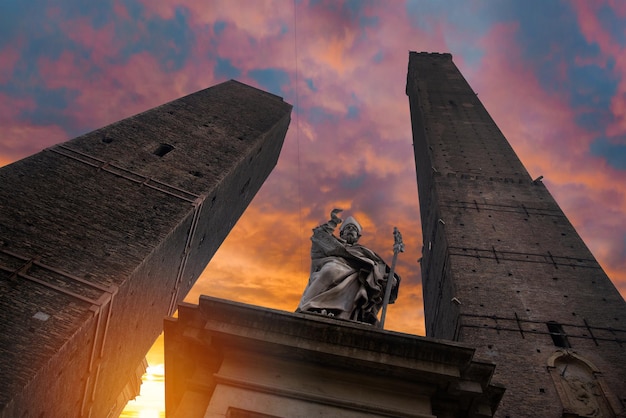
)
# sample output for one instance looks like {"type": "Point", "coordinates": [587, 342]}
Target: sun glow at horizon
{"type": "Point", "coordinates": [150, 403]}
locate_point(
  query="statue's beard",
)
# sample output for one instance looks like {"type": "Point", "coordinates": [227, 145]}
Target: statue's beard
{"type": "Point", "coordinates": [351, 239]}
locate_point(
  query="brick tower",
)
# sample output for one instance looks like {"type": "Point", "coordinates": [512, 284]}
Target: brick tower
{"type": "Point", "coordinates": [503, 269]}
{"type": "Point", "coordinates": [102, 236]}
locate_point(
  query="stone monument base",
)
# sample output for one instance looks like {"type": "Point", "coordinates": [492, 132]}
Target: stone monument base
{"type": "Point", "coordinates": [228, 359]}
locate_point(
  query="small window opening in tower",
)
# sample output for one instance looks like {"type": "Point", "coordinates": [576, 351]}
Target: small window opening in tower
{"type": "Point", "coordinates": [558, 335]}
{"type": "Point", "coordinates": [163, 149]}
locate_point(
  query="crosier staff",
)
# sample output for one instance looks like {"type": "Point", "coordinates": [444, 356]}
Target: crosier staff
{"type": "Point", "coordinates": [398, 247]}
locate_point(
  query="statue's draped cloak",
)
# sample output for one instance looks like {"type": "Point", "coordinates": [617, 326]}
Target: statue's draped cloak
{"type": "Point", "coordinates": [347, 281]}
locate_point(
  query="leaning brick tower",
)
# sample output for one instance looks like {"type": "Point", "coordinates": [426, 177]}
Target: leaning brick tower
{"type": "Point", "coordinates": [503, 269]}
{"type": "Point", "coordinates": [102, 236]}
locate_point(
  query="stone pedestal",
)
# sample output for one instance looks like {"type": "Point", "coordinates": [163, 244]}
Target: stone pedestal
{"type": "Point", "coordinates": [227, 359]}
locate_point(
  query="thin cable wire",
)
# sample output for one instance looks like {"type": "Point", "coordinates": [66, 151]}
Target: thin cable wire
{"type": "Point", "coordinates": [297, 117]}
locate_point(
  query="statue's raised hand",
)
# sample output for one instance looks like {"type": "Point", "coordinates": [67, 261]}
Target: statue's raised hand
{"type": "Point", "coordinates": [334, 219]}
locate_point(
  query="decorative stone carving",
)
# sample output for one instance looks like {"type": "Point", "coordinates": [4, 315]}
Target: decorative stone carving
{"type": "Point", "coordinates": [580, 386]}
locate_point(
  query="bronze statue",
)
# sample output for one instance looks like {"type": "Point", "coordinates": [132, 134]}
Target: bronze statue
{"type": "Point", "coordinates": [347, 280]}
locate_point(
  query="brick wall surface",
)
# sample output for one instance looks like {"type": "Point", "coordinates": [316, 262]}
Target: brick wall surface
{"type": "Point", "coordinates": [102, 236]}
{"type": "Point", "coordinates": [500, 259]}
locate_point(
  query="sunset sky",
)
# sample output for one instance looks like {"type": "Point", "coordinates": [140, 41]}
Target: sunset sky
{"type": "Point", "coordinates": [552, 74]}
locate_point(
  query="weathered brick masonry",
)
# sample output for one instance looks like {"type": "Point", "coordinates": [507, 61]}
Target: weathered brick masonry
{"type": "Point", "coordinates": [102, 236]}
{"type": "Point", "coordinates": [502, 267]}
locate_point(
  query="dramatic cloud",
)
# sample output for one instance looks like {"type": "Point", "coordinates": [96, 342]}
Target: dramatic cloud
{"type": "Point", "coordinates": [557, 91]}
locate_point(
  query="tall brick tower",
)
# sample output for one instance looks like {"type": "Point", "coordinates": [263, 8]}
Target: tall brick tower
{"type": "Point", "coordinates": [503, 269]}
{"type": "Point", "coordinates": [101, 237]}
